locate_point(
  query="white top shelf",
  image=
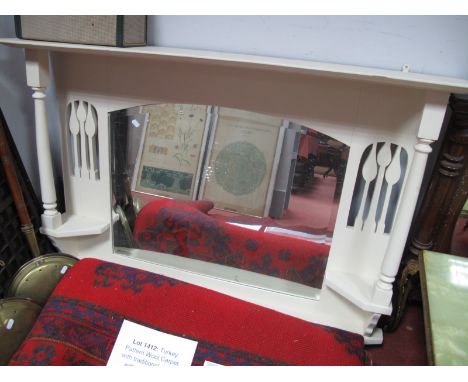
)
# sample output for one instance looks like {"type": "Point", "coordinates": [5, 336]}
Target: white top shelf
{"type": "Point", "coordinates": [391, 77]}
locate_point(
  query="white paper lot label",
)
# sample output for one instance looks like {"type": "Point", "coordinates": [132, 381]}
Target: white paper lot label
{"type": "Point", "coordinates": [137, 345]}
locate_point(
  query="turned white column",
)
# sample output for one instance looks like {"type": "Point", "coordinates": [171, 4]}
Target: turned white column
{"type": "Point", "coordinates": [431, 122]}
{"type": "Point", "coordinates": [37, 74]}
{"type": "Point", "coordinates": [383, 288]}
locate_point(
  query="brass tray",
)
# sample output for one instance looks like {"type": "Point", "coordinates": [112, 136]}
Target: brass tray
{"type": "Point", "coordinates": [38, 278]}
{"type": "Point", "coordinates": [17, 317]}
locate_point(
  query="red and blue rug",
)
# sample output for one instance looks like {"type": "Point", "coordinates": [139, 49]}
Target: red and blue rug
{"type": "Point", "coordinates": [82, 318]}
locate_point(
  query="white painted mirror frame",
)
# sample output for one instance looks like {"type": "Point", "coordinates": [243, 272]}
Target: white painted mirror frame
{"type": "Point", "coordinates": [358, 106]}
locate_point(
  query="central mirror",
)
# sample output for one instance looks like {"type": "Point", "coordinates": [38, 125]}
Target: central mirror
{"type": "Point", "coordinates": [233, 194]}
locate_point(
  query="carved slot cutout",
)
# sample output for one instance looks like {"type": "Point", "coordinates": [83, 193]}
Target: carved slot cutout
{"type": "Point", "coordinates": [378, 186]}
{"type": "Point", "coordinates": [83, 132]}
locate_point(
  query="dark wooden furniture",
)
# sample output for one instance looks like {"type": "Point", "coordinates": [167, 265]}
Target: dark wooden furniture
{"type": "Point", "coordinates": [441, 205]}
{"type": "Point", "coordinates": [14, 248]}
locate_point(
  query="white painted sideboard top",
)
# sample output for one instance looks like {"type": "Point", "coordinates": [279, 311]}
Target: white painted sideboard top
{"type": "Point", "coordinates": [391, 77]}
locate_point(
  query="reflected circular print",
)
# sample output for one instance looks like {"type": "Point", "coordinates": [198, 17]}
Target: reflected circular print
{"type": "Point", "coordinates": [240, 168]}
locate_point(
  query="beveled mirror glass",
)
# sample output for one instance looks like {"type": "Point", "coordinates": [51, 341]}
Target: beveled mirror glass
{"type": "Point", "coordinates": [229, 193]}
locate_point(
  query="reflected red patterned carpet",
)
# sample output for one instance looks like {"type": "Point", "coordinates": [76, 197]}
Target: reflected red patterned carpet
{"type": "Point", "coordinates": [310, 211]}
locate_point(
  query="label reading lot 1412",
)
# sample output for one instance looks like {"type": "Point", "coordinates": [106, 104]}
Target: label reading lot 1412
{"type": "Point", "coordinates": [137, 345]}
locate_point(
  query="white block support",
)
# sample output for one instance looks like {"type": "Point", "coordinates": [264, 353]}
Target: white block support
{"type": "Point", "coordinates": [37, 73]}
{"type": "Point", "coordinates": [376, 338]}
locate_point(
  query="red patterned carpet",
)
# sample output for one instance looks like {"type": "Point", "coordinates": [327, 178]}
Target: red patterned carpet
{"type": "Point", "coordinates": [81, 320]}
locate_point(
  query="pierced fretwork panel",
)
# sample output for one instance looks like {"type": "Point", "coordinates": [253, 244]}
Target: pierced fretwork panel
{"type": "Point", "coordinates": [378, 187]}
{"type": "Point", "coordinates": [83, 132]}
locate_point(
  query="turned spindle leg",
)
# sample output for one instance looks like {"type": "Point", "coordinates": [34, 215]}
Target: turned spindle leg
{"type": "Point", "coordinates": [37, 73]}
{"type": "Point", "coordinates": [431, 122]}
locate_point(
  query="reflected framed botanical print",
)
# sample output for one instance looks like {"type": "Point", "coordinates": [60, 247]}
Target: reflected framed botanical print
{"type": "Point", "coordinates": [171, 147]}
{"type": "Point", "coordinates": [242, 161]}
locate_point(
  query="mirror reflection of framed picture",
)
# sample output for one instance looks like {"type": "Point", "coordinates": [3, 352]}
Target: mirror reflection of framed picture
{"type": "Point", "coordinates": [242, 161]}
{"type": "Point", "coordinates": [170, 154]}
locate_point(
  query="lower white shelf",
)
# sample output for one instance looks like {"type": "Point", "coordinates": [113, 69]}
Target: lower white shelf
{"type": "Point", "coordinates": [75, 225]}
{"type": "Point", "coordinates": [356, 290]}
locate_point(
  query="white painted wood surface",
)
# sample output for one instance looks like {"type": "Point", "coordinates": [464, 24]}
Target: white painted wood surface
{"type": "Point", "coordinates": [37, 74]}
{"type": "Point", "coordinates": [358, 106]}
{"type": "Point", "coordinates": [321, 69]}
{"type": "Point", "coordinates": [74, 127]}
